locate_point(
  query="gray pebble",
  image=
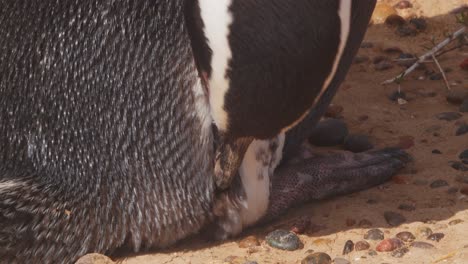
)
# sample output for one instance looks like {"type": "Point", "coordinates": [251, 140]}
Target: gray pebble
{"type": "Point", "coordinates": [283, 239]}
{"type": "Point", "coordinates": [348, 247]}
{"type": "Point", "coordinates": [424, 231]}
{"type": "Point", "coordinates": [372, 253]}
{"type": "Point", "coordinates": [436, 237]}
{"type": "Point", "coordinates": [383, 65]}
{"type": "Point", "coordinates": [439, 183]}
{"type": "Point", "coordinates": [394, 219]}
{"type": "Point", "coordinates": [449, 116]}
{"type": "Point", "coordinates": [361, 245]}
{"type": "Point", "coordinates": [420, 23]}
{"type": "Point", "coordinates": [463, 155]}
{"type": "Point", "coordinates": [459, 166]}
{"type": "Point", "coordinates": [423, 245]}
{"type": "Point", "coordinates": [357, 143]}
{"type": "Point", "coordinates": [374, 234]}
{"type": "Point", "coordinates": [330, 132]}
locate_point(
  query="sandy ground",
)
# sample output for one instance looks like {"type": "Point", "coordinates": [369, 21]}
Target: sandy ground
{"type": "Point", "coordinates": [387, 122]}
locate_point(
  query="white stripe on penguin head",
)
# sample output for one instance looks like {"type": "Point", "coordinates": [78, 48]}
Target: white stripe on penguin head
{"type": "Point", "coordinates": [217, 19]}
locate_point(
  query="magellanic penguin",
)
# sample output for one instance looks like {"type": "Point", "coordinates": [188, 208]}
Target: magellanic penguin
{"type": "Point", "coordinates": [107, 111]}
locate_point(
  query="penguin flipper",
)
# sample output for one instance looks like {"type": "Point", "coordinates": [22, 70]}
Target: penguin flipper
{"type": "Point", "coordinates": [322, 177]}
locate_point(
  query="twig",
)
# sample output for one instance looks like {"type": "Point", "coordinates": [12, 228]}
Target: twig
{"type": "Point", "coordinates": [426, 56]}
{"type": "Point", "coordinates": [441, 71]}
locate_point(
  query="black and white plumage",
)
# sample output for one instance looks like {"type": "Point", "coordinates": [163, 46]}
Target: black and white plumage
{"type": "Point", "coordinates": [106, 135]}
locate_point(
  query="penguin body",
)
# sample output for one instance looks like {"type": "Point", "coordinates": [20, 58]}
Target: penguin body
{"type": "Point", "coordinates": [106, 112]}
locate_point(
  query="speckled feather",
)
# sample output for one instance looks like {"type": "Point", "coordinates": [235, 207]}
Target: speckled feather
{"type": "Point", "coordinates": [100, 143]}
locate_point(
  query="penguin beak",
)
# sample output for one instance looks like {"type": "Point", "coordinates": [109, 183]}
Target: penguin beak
{"type": "Point", "coordinates": [229, 157]}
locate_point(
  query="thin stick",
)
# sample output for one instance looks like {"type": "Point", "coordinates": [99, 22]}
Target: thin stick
{"type": "Point", "coordinates": [426, 56]}
{"type": "Point", "coordinates": [441, 71]}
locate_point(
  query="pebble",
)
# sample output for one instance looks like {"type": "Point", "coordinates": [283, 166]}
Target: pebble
{"type": "Point", "coordinates": [464, 106]}
{"type": "Point", "coordinates": [403, 5]}
{"type": "Point", "coordinates": [436, 151]}
{"type": "Point", "coordinates": [389, 244]}
{"type": "Point", "coordinates": [381, 12]}
{"type": "Point", "coordinates": [372, 253]}
{"type": "Point", "coordinates": [94, 258]}
{"type": "Point", "coordinates": [250, 241]}
{"type": "Point", "coordinates": [406, 236]}
{"type": "Point", "coordinates": [462, 130]}
{"type": "Point", "coordinates": [407, 207]}
{"type": "Point", "coordinates": [424, 231]}
{"type": "Point", "coordinates": [317, 258]}
{"type": "Point", "coordinates": [348, 247]}
{"type": "Point", "coordinates": [457, 95]}
{"type": "Point", "coordinates": [463, 155]}
{"type": "Point", "coordinates": [283, 239]}
{"type": "Point", "coordinates": [334, 111]}
{"type": "Point", "coordinates": [406, 31]}
{"type": "Point", "coordinates": [400, 252]}
{"type": "Point", "coordinates": [394, 96]}
{"type": "Point", "coordinates": [341, 261]}
{"type": "Point", "coordinates": [394, 219]}
{"type": "Point", "coordinates": [455, 222]}
{"type": "Point", "coordinates": [406, 142]}
{"type": "Point", "coordinates": [365, 223]}
{"type": "Point", "coordinates": [301, 225]}
{"type": "Point", "coordinates": [449, 116]}
{"type": "Point", "coordinates": [330, 132]}
{"type": "Point", "coordinates": [361, 59]}
{"type": "Point", "coordinates": [459, 166]}
{"type": "Point", "coordinates": [420, 23]}
{"type": "Point", "coordinates": [452, 190]}
{"type": "Point", "coordinates": [436, 76]}
{"type": "Point", "coordinates": [383, 65]}
{"type": "Point", "coordinates": [439, 183]}
{"type": "Point", "coordinates": [374, 234]}
{"type": "Point", "coordinates": [395, 20]}
{"type": "Point", "coordinates": [357, 143]}
{"type": "Point", "coordinates": [361, 245]}
{"type": "Point", "coordinates": [423, 245]}
{"type": "Point", "coordinates": [436, 237]}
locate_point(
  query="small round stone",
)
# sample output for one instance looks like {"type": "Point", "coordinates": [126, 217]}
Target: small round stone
{"type": "Point", "coordinates": [317, 258]}
{"type": "Point", "coordinates": [348, 247]}
{"type": "Point", "coordinates": [455, 222]}
{"type": "Point", "coordinates": [439, 183]}
{"type": "Point", "coordinates": [457, 95]}
{"type": "Point", "coordinates": [283, 239]}
{"type": "Point", "coordinates": [341, 261]}
{"type": "Point", "coordinates": [399, 253]}
{"type": "Point", "coordinates": [462, 130]}
{"type": "Point", "coordinates": [424, 231]}
{"type": "Point", "coordinates": [394, 96]}
{"type": "Point", "coordinates": [406, 31]}
{"type": "Point", "coordinates": [407, 207]}
{"type": "Point", "coordinates": [449, 116]}
{"type": "Point", "coordinates": [452, 190]}
{"type": "Point", "coordinates": [459, 166]}
{"type": "Point", "coordinates": [436, 237]}
{"type": "Point", "coordinates": [389, 244]}
{"type": "Point", "coordinates": [383, 65]}
{"type": "Point", "coordinates": [372, 253]}
{"type": "Point", "coordinates": [395, 20]}
{"type": "Point", "coordinates": [436, 151]}
{"type": "Point", "coordinates": [330, 132]}
{"type": "Point", "coordinates": [361, 245]}
{"type": "Point", "coordinates": [374, 234]}
{"type": "Point", "coordinates": [406, 236]}
{"type": "Point", "coordinates": [357, 143]}
{"type": "Point", "coordinates": [394, 219]}
{"type": "Point", "coordinates": [423, 245]}
{"type": "Point", "coordinates": [250, 241]}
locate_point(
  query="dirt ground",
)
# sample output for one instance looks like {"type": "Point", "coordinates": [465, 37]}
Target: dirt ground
{"type": "Point", "coordinates": [387, 123]}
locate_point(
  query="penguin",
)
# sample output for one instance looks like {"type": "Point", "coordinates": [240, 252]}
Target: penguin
{"type": "Point", "coordinates": [139, 123]}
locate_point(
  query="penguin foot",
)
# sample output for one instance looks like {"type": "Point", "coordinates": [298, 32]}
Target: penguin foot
{"type": "Point", "coordinates": [327, 176]}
